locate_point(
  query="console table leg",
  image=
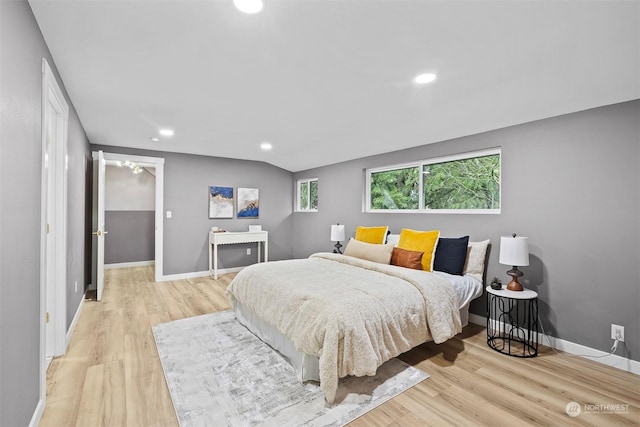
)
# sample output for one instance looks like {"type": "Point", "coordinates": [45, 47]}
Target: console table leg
{"type": "Point", "coordinates": [210, 253]}
{"type": "Point", "coordinates": [215, 262]}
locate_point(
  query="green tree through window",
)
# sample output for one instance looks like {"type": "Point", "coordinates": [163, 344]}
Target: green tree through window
{"type": "Point", "coordinates": [304, 195]}
{"type": "Point", "coordinates": [463, 184]}
{"type": "Point", "coordinates": [307, 195]}
{"type": "Point", "coordinates": [395, 189]}
{"type": "Point", "coordinates": [313, 194]}
{"type": "Point", "coordinates": [466, 182]}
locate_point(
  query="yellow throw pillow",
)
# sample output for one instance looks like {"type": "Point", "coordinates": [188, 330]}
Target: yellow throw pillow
{"type": "Point", "coordinates": [372, 234]}
{"type": "Point", "coordinates": [421, 241]}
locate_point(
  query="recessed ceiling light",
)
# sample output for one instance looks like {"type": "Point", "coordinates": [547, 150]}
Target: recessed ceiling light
{"type": "Point", "coordinates": [266, 146]}
{"type": "Point", "coordinates": [154, 139]}
{"type": "Point", "coordinates": [248, 6]}
{"type": "Point", "coordinates": [166, 132]}
{"type": "Point", "coordinates": [424, 78]}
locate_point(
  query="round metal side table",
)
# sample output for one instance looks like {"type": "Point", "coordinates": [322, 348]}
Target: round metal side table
{"type": "Point", "coordinates": [512, 322]}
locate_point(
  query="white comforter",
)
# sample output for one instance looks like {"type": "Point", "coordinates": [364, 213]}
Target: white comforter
{"type": "Point", "coordinates": [351, 313]}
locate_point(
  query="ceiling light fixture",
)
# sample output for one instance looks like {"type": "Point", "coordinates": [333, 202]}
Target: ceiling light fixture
{"type": "Point", "coordinates": [135, 168]}
{"type": "Point", "coordinates": [266, 146]}
{"type": "Point", "coordinates": [422, 79]}
{"type": "Point", "coordinates": [166, 132]}
{"type": "Point", "coordinates": [154, 139]}
{"type": "Point", "coordinates": [248, 6]}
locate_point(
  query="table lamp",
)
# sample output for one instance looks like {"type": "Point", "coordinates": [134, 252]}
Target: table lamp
{"type": "Point", "coordinates": [337, 235]}
{"type": "Point", "coordinates": [514, 251]}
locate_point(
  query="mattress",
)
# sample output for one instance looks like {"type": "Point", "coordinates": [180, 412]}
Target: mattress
{"type": "Point", "coordinates": [467, 288]}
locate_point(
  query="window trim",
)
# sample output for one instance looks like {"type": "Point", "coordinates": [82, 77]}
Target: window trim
{"type": "Point", "coordinates": [299, 183]}
{"type": "Point", "coordinates": [420, 165]}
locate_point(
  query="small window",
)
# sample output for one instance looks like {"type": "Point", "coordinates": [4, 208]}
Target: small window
{"type": "Point", "coordinates": [465, 183]}
{"type": "Point", "coordinates": [307, 195]}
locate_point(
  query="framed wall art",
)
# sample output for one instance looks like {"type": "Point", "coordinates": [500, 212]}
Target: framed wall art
{"type": "Point", "coordinates": [248, 203]}
{"type": "Point", "coordinates": [220, 202]}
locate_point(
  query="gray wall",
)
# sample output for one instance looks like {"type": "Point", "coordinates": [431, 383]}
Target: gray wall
{"type": "Point", "coordinates": [131, 236]}
{"type": "Point", "coordinates": [569, 183]}
{"type": "Point", "coordinates": [125, 190]}
{"type": "Point", "coordinates": [129, 215]}
{"type": "Point", "coordinates": [186, 184]}
{"type": "Point", "coordinates": [21, 51]}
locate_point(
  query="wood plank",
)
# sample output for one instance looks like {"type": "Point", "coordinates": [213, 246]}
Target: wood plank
{"type": "Point", "coordinates": [91, 410]}
{"type": "Point", "coordinates": [114, 395]}
{"type": "Point", "coordinates": [381, 416]}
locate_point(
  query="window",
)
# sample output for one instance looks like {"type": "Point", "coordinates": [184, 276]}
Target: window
{"type": "Point", "coordinates": [395, 189]}
{"type": "Point", "coordinates": [465, 183]}
{"type": "Point", "coordinates": [307, 195]}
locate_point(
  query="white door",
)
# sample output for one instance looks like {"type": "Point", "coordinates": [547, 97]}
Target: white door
{"type": "Point", "coordinates": [97, 265]}
{"type": "Point", "coordinates": [54, 200]}
{"type": "Point", "coordinates": [50, 238]}
{"type": "Point", "coordinates": [53, 247]}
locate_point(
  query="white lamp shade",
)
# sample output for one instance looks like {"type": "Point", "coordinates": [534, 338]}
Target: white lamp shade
{"type": "Point", "coordinates": [514, 251]}
{"type": "Point", "coordinates": [337, 232]}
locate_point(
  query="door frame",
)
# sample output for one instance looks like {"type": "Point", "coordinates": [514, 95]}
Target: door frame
{"type": "Point", "coordinates": [58, 158]}
{"type": "Point", "coordinates": [158, 164]}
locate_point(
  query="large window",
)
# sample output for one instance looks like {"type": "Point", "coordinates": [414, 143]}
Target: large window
{"type": "Point", "coordinates": [465, 183]}
{"type": "Point", "coordinates": [307, 195]}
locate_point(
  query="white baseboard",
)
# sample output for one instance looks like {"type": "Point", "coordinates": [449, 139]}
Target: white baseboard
{"type": "Point", "coordinates": [37, 414]}
{"type": "Point", "coordinates": [168, 277]}
{"type": "Point", "coordinates": [599, 356]}
{"type": "Point", "coordinates": [39, 411]}
{"type": "Point", "coordinates": [477, 319]}
{"type": "Point", "coordinates": [129, 264]}
{"type": "Point", "coordinates": [74, 322]}
{"type": "Point", "coordinates": [182, 276]}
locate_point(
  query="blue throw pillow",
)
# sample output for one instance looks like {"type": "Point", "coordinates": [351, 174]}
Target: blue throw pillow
{"type": "Point", "coordinates": [451, 253]}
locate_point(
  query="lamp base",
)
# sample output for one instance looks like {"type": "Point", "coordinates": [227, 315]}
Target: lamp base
{"type": "Point", "coordinates": [337, 249]}
{"type": "Point", "coordinates": [514, 285]}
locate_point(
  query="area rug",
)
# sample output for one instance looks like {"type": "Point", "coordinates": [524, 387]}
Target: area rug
{"type": "Point", "coordinates": [220, 374]}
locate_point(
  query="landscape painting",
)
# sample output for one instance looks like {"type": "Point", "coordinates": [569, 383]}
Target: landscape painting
{"type": "Point", "coordinates": [248, 203]}
{"type": "Point", "coordinates": [220, 202]}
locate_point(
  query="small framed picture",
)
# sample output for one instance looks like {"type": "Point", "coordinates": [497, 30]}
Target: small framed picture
{"type": "Point", "coordinates": [220, 202]}
{"type": "Point", "coordinates": [248, 203]}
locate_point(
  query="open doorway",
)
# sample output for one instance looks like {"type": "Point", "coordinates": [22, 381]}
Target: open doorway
{"type": "Point", "coordinates": [154, 167]}
{"type": "Point", "coordinates": [129, 214]}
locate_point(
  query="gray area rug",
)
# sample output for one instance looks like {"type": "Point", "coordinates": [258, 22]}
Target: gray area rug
{"type": "Point", "coordinates": [220, 374]}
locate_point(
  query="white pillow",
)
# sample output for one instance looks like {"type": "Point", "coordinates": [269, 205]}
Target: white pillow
{"type": "Point", "coordinates": [476, 256]}
{"type": "Point", "coordinates": [393, 239]}
{"type": "Point", "coordinates": [369, 251]}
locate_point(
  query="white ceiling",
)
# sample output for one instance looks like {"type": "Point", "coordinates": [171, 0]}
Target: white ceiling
{"type": "Point", "coordinates": [331, 80]}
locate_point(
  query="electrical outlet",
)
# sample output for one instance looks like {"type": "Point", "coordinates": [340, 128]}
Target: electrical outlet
{"type": "Point", "coordinates": [617, 331]}
{"type": "Point", "coordinates": [248, 251]}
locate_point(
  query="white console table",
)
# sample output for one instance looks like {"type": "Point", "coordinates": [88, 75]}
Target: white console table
{"type": "Point", "coordinates": [235, 237]}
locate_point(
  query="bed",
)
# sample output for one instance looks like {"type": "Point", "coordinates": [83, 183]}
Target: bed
{"type": "Point", "coordinates": [333, 315]}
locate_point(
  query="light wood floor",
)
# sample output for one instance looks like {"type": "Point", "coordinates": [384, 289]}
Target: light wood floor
{"type": "Point", "coordinates": [111, 374]}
